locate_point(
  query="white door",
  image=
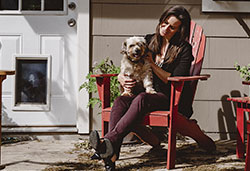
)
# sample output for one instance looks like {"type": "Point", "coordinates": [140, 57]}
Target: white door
{"type": "Point", "coordinates": [33, 28]}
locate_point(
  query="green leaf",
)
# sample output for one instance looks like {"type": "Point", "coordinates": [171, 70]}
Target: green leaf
{"type": "Point", "coordinates": [244, 71]}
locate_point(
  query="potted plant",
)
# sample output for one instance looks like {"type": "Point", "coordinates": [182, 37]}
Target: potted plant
{"type": "Point", "coordinates": [244, 73]}
{"type": "Point", "coordinates": [106, 66]}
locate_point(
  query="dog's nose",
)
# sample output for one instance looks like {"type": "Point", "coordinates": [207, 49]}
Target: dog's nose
{"type": "Point", "coordinates": [137, 51]}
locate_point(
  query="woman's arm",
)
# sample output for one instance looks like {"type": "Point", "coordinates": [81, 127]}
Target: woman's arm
{"type": "Point", "coordinates": [182, 68]}
{"type": "Point", "coordinates": [184, 64]}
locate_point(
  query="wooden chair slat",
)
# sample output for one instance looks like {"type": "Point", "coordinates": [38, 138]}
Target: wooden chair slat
{"type": "Point", "coordinates": [196, 40]}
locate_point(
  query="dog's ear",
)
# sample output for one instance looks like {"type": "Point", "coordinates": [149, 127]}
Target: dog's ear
{"type": "Point", "coordinates": [124, 48]}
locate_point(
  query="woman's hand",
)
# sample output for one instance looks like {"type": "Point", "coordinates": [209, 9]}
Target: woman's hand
{"type": "Point", "coordinates": [126, 82]}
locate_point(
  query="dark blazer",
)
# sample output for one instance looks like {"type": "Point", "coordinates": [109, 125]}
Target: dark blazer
{"type": "Point", "coordinates": [179, 67]}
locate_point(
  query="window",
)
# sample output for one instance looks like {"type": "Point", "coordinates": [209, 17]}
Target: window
{"type": "Point", "coordinates": [231, 6]}
{"type": "Point", "coordinates": [33, 7]}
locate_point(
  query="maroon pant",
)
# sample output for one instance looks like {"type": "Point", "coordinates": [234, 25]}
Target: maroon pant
{"type": "Point", "coordinates": [129, 111]}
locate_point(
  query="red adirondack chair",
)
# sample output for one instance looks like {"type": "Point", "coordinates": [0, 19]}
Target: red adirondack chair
{"type": "Point", "coordinates": [162, 118]}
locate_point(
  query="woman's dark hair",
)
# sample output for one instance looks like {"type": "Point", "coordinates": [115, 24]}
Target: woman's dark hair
{"type": "Point", "coordinates": [180, 36]}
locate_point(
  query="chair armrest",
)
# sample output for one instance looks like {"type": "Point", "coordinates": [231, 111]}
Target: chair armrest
{"type": "Point", "coordinates": [104, 75]}
{"type": "Point", "coordinates": [246, 82]}
{"type": "Point", "coordinates": [177, 84]}
{"type": "Point", "coordinates": [103, 85]}
{"type": "Point", "coordinates": [189, 78]}
{"type": "Point", "coordinates": [7, 72]}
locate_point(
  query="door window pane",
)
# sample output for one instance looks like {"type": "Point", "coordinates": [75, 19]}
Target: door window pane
{"type": "Point", "coordinates": [53, 5]}
{"type": "Point", "coordinates": [8, 4]}
{"type": "Point", "coordinates": [31, 5]}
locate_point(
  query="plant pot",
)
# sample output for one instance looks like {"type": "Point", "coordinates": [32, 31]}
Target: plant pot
{"type": "Point", "coordinates": [247, 83]}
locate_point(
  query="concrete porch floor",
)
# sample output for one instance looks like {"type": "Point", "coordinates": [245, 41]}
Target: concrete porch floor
{"type": "Point", "coordinates": [70, 152]}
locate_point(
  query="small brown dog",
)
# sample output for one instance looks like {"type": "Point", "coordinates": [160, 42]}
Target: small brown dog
{"type": "Point", "coordinates": [134, 64]}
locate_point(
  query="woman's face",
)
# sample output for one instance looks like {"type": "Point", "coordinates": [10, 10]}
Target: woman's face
{"type": "Point", "coordinates": [169, 27]}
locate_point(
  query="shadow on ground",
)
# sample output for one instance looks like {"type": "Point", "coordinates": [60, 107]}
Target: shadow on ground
{"type": "Point", "coordinates": [141, 157]}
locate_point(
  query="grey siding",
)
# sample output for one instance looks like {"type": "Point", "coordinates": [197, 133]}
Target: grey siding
{"type": "Point", "coordinates": [227, 42]}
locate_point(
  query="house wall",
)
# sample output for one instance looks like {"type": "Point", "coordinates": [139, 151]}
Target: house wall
{"type": "Point", "coordinates": [227, 42]}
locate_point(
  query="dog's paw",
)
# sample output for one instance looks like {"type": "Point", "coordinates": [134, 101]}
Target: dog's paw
{"type": "Point", "coordinates": [151, 91]}
{"type": "Point", "coordinates": [127, 94]}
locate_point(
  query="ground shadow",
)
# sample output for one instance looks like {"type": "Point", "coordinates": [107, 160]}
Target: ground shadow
{"type": "Point", "coordinates": [188, 157]}
{"type": "Point", "coordinates": [62, 165]}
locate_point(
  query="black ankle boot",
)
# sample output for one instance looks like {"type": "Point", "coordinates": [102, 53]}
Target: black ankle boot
{"type": "Point", "coordinates": [109, 165]}
{"type": "Point", "coordinates": [96, 156]}
{"type": "Point", "coordinates": [104, 148]}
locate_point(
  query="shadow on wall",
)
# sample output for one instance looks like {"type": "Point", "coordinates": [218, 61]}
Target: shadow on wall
{"type": "Point", "coordinates": [7, 138]}
{"type": "Point", "coordinates": [6, 118]}
{"type": "Point", "coordinates": [227, 117]}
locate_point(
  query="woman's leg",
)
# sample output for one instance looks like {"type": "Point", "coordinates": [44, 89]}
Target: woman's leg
{"type": "Point", "coordinates": [146, 135]}
{"type": "Point", "coordinates": [120, 107]}
{"type": "Point", "coordinates": [190, 128]}
{"type": "Point", "coordinates": [156, 102]}
{"type": "Point", "coordinates": [123, 120]}
{"type": "Point", "coordinates": [141, 104]}
{"type": "Point", "coordinates": [159, 102]}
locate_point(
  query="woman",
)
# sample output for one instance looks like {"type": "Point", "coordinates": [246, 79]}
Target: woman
{"type": "Point", "coordinates": [171, 56]}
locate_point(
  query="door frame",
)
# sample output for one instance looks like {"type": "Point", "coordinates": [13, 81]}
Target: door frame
{"type": "Point", "coordinates": [83, 34]}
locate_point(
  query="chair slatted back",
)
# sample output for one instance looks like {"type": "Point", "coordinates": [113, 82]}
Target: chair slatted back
{"type": "Point", "coordinates": [198, 41]}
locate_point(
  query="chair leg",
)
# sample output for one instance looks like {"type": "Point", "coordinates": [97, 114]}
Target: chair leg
{"type": "Point", "coordinates": [247, 165]}
{"type": "Point", "coordinates": [104, 128]}
{"type": "Point", "coordinates": [171, 149]}
{"type": "Point", "coordinates": [247, 160]}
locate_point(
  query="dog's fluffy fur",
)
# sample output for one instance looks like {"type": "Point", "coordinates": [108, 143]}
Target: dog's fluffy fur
{"type": "Point", "coordinates": [134, 65]}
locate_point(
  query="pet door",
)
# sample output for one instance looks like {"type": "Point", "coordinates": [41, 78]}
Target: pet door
{"type": "Point", "coordinates": [32, 82]}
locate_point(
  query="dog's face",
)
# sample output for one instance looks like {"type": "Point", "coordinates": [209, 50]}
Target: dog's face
{"type": "Point", "coordinates": [134, 48]}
